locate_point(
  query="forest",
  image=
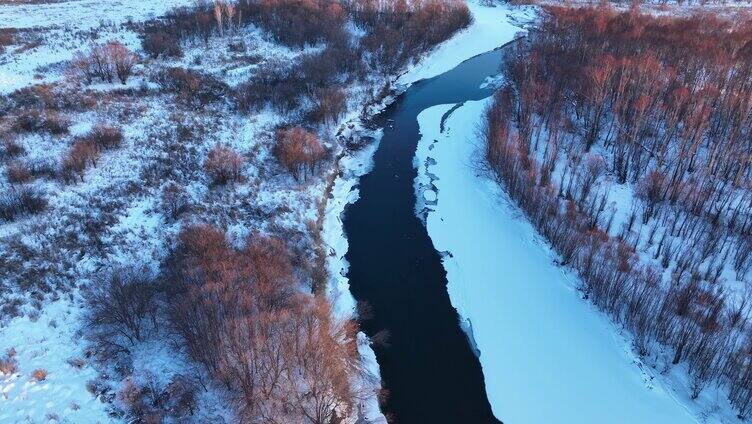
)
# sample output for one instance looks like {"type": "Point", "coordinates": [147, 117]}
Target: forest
{"type": "Point", "coordinates": [627, 140]}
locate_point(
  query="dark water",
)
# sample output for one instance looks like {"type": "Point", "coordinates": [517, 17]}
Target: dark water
{"type": "Point", "coordinates": [428, 365]}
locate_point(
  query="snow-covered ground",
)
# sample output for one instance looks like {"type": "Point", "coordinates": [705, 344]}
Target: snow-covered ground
{"type": "Point", "coordinates": [81, 14]}
{"type": "Point", "coordinates": [49, 33]}
{"type": "Point", "coordinates": [547, 354]}
{"type": "Point", "coordinates": [50, 342]}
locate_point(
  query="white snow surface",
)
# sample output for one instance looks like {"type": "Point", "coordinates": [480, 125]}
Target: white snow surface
{"type": "Point", "coordinates": [81, 14]}
{"type": "Point", "coordinates": [547, 355]}
{"type": "Point", "coordinates": [492, 27]}
{"type": "Point", "coordinates": [49, 342]}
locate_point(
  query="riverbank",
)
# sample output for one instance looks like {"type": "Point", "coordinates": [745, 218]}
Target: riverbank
{"type": "Point", "coordinates": [546, 354]}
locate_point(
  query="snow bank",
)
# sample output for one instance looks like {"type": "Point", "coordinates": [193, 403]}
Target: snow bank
{"type": "Point", "coordinates": [491, 28]}
{"type": "Point", "coordinates": [344, 192]}
{"type": "Point", "coordinates": [546, 354]}
{"type": "Point", "coordinates": [48, 342]}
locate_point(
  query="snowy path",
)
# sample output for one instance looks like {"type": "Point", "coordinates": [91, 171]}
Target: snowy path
{"type": "Point", "coordinates": [546, 354]}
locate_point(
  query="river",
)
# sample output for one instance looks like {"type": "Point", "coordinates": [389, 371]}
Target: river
{"type": "Point", "coordinates": [427, 363]}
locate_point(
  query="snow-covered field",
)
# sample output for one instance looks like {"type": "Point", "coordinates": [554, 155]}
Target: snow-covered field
{"type": "Point", "coordinates": [547, 355]}
{"type": "Point", "coordinates": [51, 32]}
{"type": "Point", "coordinates": [48, 342]}
{"type": "Point", "coordinates": [120, 204]}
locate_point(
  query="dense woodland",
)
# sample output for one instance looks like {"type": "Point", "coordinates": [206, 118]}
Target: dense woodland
{"type": "Point", "coordinates": [627, 140]}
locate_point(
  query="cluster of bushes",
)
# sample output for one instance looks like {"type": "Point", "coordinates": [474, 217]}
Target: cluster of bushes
{"type": "Point", "coordinates": [36, 121]}
{"type": "Point", "coordinates": [329, 105]}
{"type": "Point", "coordinates": [299, 151]}
{"type": "Point", "coordinates": [17, 173]}
{"type": "Point", "coordinates": [399, 31]}
{"type": "Point", "coordinates": [667, 103]}
{"type": "Point", "coordinates": [104, 62]}
{"type": "Point", "coordinates": [302, 22]}
{"type": "Point", "coordinates": [123, 310]}
{"type": "Point", "coordinates": [8, 363]}
{"type": "Point", "coordinates": [191, 87]}
{"type": "Point", "coordinates": [47, 98]}
{"type": "Point", "coordinates": [7, 37]}
{"type": "Point", "coordinates": [86, 149]}
{"type": "Point", "coordinates": [11, 148]}
{"type": "Point", "coordinates": [149, 402]}
{"type": "Point", "coordinates": [239, 312]}
{"type": "Point", "coordinates": [223, 164]}
{"type": "Point", "coordinates": [274, 85]}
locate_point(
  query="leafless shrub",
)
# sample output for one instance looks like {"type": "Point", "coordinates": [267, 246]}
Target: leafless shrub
{"type": "Point", "coordinates": [104, 62]}
{"type": "Point", "coordinates": [39, 374]}
{"type": "Point", "coordinates": [121, 308]}
{"type": "Point", "coordinates": [11, 148]}
{"type": "Point", "coordinates": [174, 199]}
{"type": "Point", "coordinates": [76, 362]}
{"type": "Point", "coordinates": [82, 154]}
{"type": "Point", "coordinates": [33, 121]}
{"type": "Point", "coordinates": [131, 395]}
{"type": "Point", "coordinates": [160, 43]}
{"type": "Point", "coordinates": [46, 168]}
{"type": "Point", "coordinates": [8, 363]}
{"type": "Point", "coordinates": [34, 97]}
{"type": "Point", "coordinates": [105, 136]}
{"type": "Point", "coordinates": [18, 173]}
{"type": "Point", "coordinates": [96, 387]}
{"type": "Point", "coordinates": [10, 309]}
{"type": "Point", "coordinates": [25, 201]}
{"type": "Point", "coordinates": [7, 38]}
{"type": "Point", "coordinates": [299, 151]}
{"type": "Point", "coordinates": [192, 87]}
{"type": "Point", "coordinates": [180, 396]}
{"type": "Point", "coordinates": [223, 164]}
{"type": "Point", "coordinates": [123, 60]}
{"type": "Point", "coordinates": [55, 124]}
{"type": "Point", "coordinates": [274, 84]}
{"type": "Point", "coordinates": [331, 104]}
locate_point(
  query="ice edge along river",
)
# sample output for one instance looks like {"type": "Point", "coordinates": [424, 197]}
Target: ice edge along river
{"type": "Point", "coordinates": [547, 355]}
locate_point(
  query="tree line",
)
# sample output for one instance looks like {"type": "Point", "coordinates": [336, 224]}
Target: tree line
{"type": "Point", "coordinates": [661, 106]}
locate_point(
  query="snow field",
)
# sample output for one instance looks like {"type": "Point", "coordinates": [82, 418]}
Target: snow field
{"type": "Point", "coordinates": [49, 342]}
